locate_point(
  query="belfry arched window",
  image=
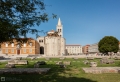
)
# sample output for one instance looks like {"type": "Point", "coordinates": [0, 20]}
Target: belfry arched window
{"type": "Point", "coordinates": [60, 30]}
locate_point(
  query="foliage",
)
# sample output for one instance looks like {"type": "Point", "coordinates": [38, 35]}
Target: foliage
{"type": "Point", "coordinates": [18, 16]}
{"type": "Point", "coordinates": [108, 44]}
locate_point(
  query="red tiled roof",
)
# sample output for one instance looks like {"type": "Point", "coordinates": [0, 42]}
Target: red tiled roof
{"type": "Point", "coordinates": [52, 31]}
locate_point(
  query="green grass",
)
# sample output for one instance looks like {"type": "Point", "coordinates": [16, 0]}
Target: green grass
{"type": "Point", "coordinates": [72, 73]}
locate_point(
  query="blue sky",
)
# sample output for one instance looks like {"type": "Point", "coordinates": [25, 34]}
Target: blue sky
{"type": "Point", "coordinates": [84, 21]}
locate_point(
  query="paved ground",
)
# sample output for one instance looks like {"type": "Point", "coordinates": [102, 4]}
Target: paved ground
{"type": "Point", "coordinates": [9, 57]}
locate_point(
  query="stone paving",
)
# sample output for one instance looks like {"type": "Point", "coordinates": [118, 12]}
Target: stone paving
{"type": "Point", "coordinates": [24, 71]}
{"type": "Point", "coordinates": [99, 70]}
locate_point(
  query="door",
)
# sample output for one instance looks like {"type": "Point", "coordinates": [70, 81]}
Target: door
{"type": "Point", "coordinates": [18, 52]}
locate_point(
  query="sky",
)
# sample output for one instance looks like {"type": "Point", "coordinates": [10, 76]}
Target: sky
{"type": "Point", "coordinates": [84, 21]}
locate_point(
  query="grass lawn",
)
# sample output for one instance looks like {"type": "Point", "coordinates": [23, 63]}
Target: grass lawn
{"type": "Point", "coordinates": [72, 73]}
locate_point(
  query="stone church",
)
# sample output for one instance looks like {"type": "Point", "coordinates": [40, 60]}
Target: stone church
{"type": "Point", "coordinates": [53, 44]}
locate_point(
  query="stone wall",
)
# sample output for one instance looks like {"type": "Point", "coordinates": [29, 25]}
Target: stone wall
{"type": "Point", "coordinates": [99, 70]}
{"type": "Point", "coordinates": [24, 71]}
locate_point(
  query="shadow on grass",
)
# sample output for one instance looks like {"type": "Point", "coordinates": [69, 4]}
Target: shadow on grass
{"type": "Point", "coordinates": [56, 74]}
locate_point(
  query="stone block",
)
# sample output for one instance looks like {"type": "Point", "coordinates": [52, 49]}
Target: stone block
{"type": "Point", "coordinates": [18, 62]}
{"type": "Point", "coordinates": [18, 58]}
{"type": "Point", "coordinates": [11, 62]}
{"type": "Point", "coordinates": [62, 58]}
{"type": "Point", "coordinates": [24, 62]}
{"type": "Point", "coordinates": [93, 64]}
{"type": "Point", "coordinates": [75, 58]}
{"type": "Point", "coordinates": [59, 63]}
{"type": "Point", "coordinates": [67, 63]}
{"type": "Point", "coordinates": [9, 66]}
{"type": "Point", "coordinates": [117, 58]}
{"type": "Point", "coordinates": [47, 58]}
{"type": "Point", "coordinates": [86, 62]}
{"type": "Point", "coordinates": [90, 58]}
{"type": "Point", "coordinates": [107, 61]}
{"type": "Point", "coordinates": [33, 58]}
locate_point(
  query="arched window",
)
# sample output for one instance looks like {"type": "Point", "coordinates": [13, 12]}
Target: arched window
{"type": "Point", "coordinates": [60, 30]}
{"type": "Point", "coordinates": [12, 44]}
{"type": "Point", "coordinates": [6, 45]}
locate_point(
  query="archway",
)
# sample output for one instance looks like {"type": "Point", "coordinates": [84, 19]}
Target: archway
{"type": "Point", "coordinates": [41, 50]}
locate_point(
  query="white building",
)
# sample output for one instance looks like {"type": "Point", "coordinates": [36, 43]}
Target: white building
{"type": "Point", "coordinates": [73, 49]}
{"type": "Point", "coordinates": [93, 48]}
{"type": "Point", "coordinates": [53, 44]}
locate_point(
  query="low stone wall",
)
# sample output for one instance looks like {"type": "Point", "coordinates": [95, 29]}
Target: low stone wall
{"type": "Point", "coordinates": [90, 58]}
{"type": "Point", "coordinates": [117, 58]}
{"type": "Point", "coordinates": [99, 70]}
{"type": "Point", "coordinates": [25, 71]}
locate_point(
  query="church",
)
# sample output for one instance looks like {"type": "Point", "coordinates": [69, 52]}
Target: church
{"type": "Point", "coordinates": [53, 44]}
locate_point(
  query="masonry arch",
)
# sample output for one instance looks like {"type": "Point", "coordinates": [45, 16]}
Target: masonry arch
{"type": "Point", "coordinates": [41, 50]}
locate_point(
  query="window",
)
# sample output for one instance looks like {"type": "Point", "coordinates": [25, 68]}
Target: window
{"type": "Point", "coordinates": [6, 45]}
{"type": "Point", "coordinates": [12, 44]}
{"type": "Point", "coordinates": [60, 30]}
{"type": "Point", "coordinates": [12, 50]}
{"type": "Point", "coordinates": [18, 45]}
{"type": "Point", "coordinates": [39, 40]}
{"type": "Point", "coordinates": [30, 44]}
{"type": "Point", "coordinates": [24, 44]}
{"type": "Point", "coordinates": [24, 50]}
{"type": "Point", "coordinates": [30, 51]}
{"type": "Point", "coordinates": [6, 50]}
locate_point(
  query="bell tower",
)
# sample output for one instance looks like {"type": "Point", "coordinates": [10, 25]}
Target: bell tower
{"type": "Point", "coordinates": [59, 28]}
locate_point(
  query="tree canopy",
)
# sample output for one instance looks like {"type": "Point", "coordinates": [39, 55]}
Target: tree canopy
{"type": "Point", "coordinates": [108, 44]}
{"type": "Point", "coordinates": [18, 16]}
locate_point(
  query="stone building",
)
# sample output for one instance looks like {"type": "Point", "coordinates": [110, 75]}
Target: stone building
{"type": "Point", "coordinates": [53, 44]}
{"type": "Point", "coordinates": [93, 48]}
{"type": "Point", "coordinates": [73, 49]}
{"type": "Point", "coordinates": [31, 47]}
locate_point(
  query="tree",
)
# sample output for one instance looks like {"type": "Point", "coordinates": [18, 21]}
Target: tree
{"type": "Point", "coordinates": [18, 16]}
{"type": "Point", "coordinates": [108, 44]}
